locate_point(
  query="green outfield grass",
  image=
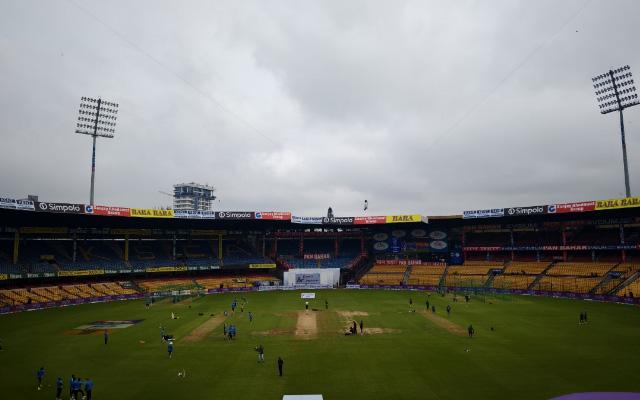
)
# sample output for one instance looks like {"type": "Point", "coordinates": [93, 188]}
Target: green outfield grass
{"type": "Point", "coordinates": [536, 351]}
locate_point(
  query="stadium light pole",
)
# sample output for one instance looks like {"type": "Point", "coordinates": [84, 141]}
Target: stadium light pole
{"type": "Point", "coordinates": [616, 91]}
{"type": "Point", "coordinates": [96, 118]}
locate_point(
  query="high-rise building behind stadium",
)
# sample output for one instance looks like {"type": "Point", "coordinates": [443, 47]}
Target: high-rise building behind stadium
{"type": "Point", "coordinates": [192, 196]}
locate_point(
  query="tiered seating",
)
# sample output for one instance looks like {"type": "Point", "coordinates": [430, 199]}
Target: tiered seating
{"type": "Point", "coordinates": [234, 282]}
{"type": "Point", "coordinates": [112, 289]}
{"type": "Point", "coordinates": [633, 290]}
{"type": "Point", "coordinates": [384, 275]}
{"type": "Point", "coordinates": [567, 284]}
{"type": "Point", "coordinates": [471, 269]}
{"type": "Point", "coordinates": [525, 267]}
{"type": "Point", "coordinates": [465, 280]}
{"type": "Point", "coordinates": [580, 269]}
{"type": "Point", "coordinates": [160, 285]}
{"type": "Point", "coordinates": [426, 275]}
{"type": "Point", "coordinates": [513, 281]}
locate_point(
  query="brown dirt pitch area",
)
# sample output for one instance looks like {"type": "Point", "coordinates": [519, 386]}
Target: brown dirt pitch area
{"type": "Point", "coordinates": [307, 325]}
{"type": "Point", "coordinates": [350, 314]}
{"type": "Point", "coordinates": [444, 323]}
{"type": "Point", "coordinates": [204, 329]}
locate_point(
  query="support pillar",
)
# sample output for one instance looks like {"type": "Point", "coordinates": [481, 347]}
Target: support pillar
{"type": "Point", "coordinates": [126, 247]}
{"type": "Point", "coordinates": [16, 246]}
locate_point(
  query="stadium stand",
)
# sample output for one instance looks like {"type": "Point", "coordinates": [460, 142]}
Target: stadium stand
{"type": "Point", "coordinates": [384, 275]}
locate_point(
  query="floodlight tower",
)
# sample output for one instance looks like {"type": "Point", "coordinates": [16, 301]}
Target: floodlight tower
{"type": "Point", "coordinates": [96, 118]}
{"type": "Point", "coordinates": [616, 91]}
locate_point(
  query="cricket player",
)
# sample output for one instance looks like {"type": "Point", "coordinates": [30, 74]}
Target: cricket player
{"type": "Point", "coordinates": [40, 375]}
{"type": "Point", "coordinates": [260, 353]}
{"type": "Point", "coordinates": [280, 363]}
{"type": "Point", "coordinates": [59, 385]}
{"type": "Point", "coordinates": [88, 387]}
{"type": "Point", "coordinates": [106, 336]}
{"type": "Point", "coordinates": [170, 348]}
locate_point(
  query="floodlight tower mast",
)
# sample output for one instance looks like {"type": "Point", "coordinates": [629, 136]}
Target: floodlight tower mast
{"type": "Point", "coordinates": [96, 118]}
{"type": "Point", "coordinates": [616, 91]}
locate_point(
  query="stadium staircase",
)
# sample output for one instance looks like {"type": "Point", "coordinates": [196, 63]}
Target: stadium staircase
{"type": "Point", "coordinates": [489, 283]}
{"type": "Point", "coordinates": [541, 275]}
{"type": "Point", "coordinates": [443, 278]}
{"type": "Point", "coordinates": [407, 274]}
{"type": "Point", "coordinates": [605, 279]}
{"type": "Point", "coordinates": [625, 283]}
{"type": "Point", "coordinates": [364, 267]}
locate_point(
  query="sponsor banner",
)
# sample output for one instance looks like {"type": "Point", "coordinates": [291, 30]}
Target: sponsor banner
{"type": "Point", "coordinates": [584, 206]}
{"type": "Point", "coordinates": [235, 215]}
{"type": "Point", "coordinates": [402, 262]}
{"type": "Point", "coordinates": [395, 219]}
{"type": "Point", "coordinates": [552, 248]}
{"type": "Point", "coordinates": [369, 220]}
{"type": "Point", "coordinates": [25, 205]}
{"type": "Point", "coordinates": [84, 272]}
{"type": "Point", "coordinates": [306, 220]}
{"type": "Point", "coordinates": [4, 277]}
{"type": "Point", "coordinates": [150, 213]}
{"type": "Point", "coordinates": [102, 325]}
{"type": "Point", "coordinates": [274, 215]}
{"type": "Point", "coordinates": [308, 279]}
{"type": "Point", "coordinates": [618, 203]}
{"type": "Point", "coordinates": [353, 286]}
{"type": "Point", "coordinates": [109, 211]}
{"type": "Point", "coordinates": [6, 202]}
{"type": "Point", "coordinates": [194, 214]}
{"type": "Point", "coordinates": [321, 256]}
{"type": "Point", "coordinates": [483, 248]}
{"type": "Point", "coordinates": [492, 213]}
{"type": "Point", "coordinates": [307, 295]}
{"type": "Point", "coordinates": [65, 208]}
{"type": "Point", "coordinates": [166, 269]}
{"type": "Point", "coordinates": [337, 220]}
{"type": "Point", "coordinates": [262, 266]}
{"type": "Point", "coordinates": [518, 211]}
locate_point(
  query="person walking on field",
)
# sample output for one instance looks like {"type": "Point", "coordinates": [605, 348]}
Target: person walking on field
{"type": "Point", "coordinates": [106, 336]}
{"type": "Point", "coordinates": [280, 363]}
{"type": "Point", "coordinates": [448, 309]}
{"type": "Point", "coordinates": [471, 331]}
{"type": "Point", "coordinates": [361, 327]}
{"type": "Point", "coordinates": [260, 351]}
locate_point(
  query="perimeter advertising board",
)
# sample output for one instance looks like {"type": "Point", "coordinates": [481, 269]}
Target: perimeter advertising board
{"type": "Point", "coordinates": [151, 213]}
{"type": "Point", "coordinates": [63, 208]}
{"type": "Point", "coordinates": [618, 203]}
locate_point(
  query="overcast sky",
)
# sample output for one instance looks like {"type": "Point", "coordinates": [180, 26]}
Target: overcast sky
{"type": "Point", "coordinates": [429, 107]}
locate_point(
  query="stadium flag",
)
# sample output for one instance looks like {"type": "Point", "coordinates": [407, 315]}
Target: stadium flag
{"type": "Point", "coordinates": [262, 266]}
{"type": "Point", "coordinates": [151, 213]}
{"type": "Point", "coordinates": [618, 203]}
{"type": "Point", "coordinates": [394, 219]}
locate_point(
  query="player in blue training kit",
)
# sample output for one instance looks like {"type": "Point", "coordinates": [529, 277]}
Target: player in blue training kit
{"type": "Point", "coordinates": [170, 349]}
{"type": "Point", "coordinates": [75, 388]}
{"type": "Point", "coordinates": [73, 378]}
{"type": "Point", "coordinates": [59, 385]}
{"type": "Point", "coordinates": [40, 375]}
{"type": "Point", "coordinates": [88, 387]}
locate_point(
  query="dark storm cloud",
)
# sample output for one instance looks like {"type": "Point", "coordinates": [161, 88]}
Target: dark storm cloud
{"type": "Point", "coordinates": [426, 107]}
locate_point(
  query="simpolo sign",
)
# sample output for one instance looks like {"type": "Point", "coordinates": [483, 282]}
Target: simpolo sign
{"type": "Point", "coordinates": [65, 208]}
{"type": "Point", "coordinates": [337, 220]}
{"type": "Point", "coordinates": [235, 215]}
{"type": "Point", "coordinates": [517, 211]}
